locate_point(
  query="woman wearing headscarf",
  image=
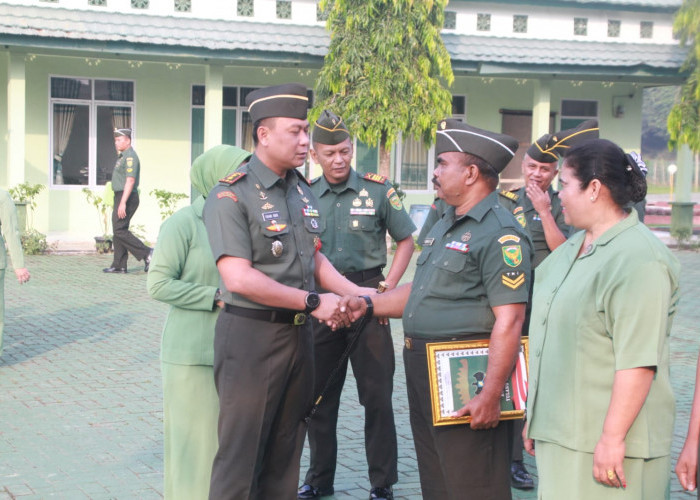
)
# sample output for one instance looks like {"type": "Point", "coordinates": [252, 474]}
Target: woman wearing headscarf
{"type": "Point", "coordinates": [183, 274]}
{"type": "Point", "coordinates": [600, 406]}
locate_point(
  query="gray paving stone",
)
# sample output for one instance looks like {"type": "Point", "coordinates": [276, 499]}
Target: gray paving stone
{"type": "Point", "coordinates": [80, 389]}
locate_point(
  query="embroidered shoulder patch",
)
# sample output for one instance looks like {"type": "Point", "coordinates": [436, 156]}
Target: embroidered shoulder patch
{"type": "Point", "coordinates": [227, 194]}
{"type": "Point", "coordinates": [370, 176]}
{"type": "Point", "coordinates": [510, 195]}
{"type": "Point", "coordinates": [508, 237]}
{"type": "Point", "coordinates": [394, 199]}
{"type": "Point", "coordinates": [234, 177]}
{"type": "Point", "coordinates": [513, 279]}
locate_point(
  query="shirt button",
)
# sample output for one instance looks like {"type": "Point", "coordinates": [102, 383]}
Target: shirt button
{"type": "Point", "coordinates": [444, 263]}
{"type": "Point", "coordinates": [448, 235]}
{"type": "Point", "coordinates": [434, 262]}
{"type": "Point", "coordinates": [340, 249]}
{"type": "Point", "coordinates": [410, 315]}
{"type": "Point", "coordinates": [337, 204]}
{"type": "Point", "coordinates": [421, 287]}
{"type": "Point", "coordinates": [301, 252]}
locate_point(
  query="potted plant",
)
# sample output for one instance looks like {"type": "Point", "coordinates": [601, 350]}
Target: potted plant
{"type": "Point", "coordinates": [103, 204]}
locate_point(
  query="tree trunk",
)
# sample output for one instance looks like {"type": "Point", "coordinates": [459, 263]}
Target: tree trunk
{"type": "Point", "coordinates": [384, 160]}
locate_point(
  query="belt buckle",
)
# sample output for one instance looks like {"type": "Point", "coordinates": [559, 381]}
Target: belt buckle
{"type": "Point", "coordinates": [299, 319]}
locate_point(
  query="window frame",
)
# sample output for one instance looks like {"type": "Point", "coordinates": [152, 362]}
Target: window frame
{"type": "Point", "coordinates": [92, 104]}
{"type": "Point", "coordinates": [581, 118]}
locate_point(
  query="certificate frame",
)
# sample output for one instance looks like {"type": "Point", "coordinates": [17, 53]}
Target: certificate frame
{"type": "Point", "coordinates": [450, 377]}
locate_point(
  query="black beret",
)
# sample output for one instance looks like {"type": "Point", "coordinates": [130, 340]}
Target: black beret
{"type": "Point", "coordinates": [550, 147]}
{"type": "Point", "coordinates": [496, 149]}
{"type": "Point", "coordinates": [329, 129]}
{"type": "Point", "coordinates": [287, 100]}
{"type": "Point", "coordinates": [122, 131]}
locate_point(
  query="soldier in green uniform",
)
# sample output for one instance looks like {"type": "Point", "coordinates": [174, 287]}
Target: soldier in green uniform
{"type": "Point", "coordinates": [471, 282]}
{"type": "Point", "coordinates": [9, 235]}
{"type": "Point", "coordinates": [537, 208]}
{"type": "Point", "coordinates": [125, 183]}
{"type": "Point", "coordinates": [356, 213]}
{"type": "Point", "coordinates": [264, 230]}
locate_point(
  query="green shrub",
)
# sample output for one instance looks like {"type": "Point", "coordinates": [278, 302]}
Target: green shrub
{"type": "Point", "coordinates": [34, 242]}
{"type": "Point", "coordinates": [167, 201]}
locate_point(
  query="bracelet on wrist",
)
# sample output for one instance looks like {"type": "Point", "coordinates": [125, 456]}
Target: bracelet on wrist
{"type": "Point", "coordinates": [370, 306]}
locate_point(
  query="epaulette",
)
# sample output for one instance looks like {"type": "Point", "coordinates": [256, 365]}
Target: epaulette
{"type": "Point", "coordinates": [370, 176]}
{"type": "Point", "coordinates": [231, 178]}
{"type": "Point", "coordinates": [509, 194]}
{"type": "Point", "coordinates": [504, 216]}
{"type": "Point", "coordinates": [301, 176]}
{"type": "Point", "coordinates": [314, 181]}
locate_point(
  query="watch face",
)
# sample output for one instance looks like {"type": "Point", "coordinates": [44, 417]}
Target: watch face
{"type": "Point", "coordinates": [313, 300]}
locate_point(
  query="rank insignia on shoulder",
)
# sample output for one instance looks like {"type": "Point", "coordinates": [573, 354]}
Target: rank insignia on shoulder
{"type": "Point", "coordinates": [512, 255]}
{"type": "Point", "coordinates": [508, 237]}
{"type": "Point", "coordinates": [510, 195]}
{"type": "Point", "coordinates": [276, 227]}
{"type": "Point", "coordinates": [234, 177]}
{"type": "Point", "coordinates": [458, 246]}
{"type": "Point", "coordinates": [227, 194]}
{"type": "Point", "coordinates": [513, 279]}
{"type": "Point", "coordinates": [370, 176]}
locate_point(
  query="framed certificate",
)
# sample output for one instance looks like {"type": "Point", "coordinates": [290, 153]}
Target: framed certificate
{"type": "Point", "coordinates": [457, 372]}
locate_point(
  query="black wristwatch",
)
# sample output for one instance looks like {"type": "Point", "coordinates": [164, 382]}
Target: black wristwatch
{"type": "Point", "coordinates": [312, 300]}
{"type": "Point", "coordinates": [370, 306]}
{"type": "Point", "coordinates": [217, 298]}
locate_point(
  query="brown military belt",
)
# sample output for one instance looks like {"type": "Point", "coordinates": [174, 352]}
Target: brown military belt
{"type": "Point", "coordinates": [272, 315]}
{"type": "Point", "coordinates": [360, 276]}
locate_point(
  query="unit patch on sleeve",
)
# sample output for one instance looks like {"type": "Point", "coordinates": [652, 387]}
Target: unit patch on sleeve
{"type": "Point", "coordinates": [227, 194]}
{"type": "Point", "coordinates": [513, 279]}
{"type": "Point", "coordinates": [394, 199]}
{"type": "Point", "coordinates": [512, 255]}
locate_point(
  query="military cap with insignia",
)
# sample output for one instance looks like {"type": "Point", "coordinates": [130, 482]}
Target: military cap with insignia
{"type": "Point", "coordinates": [550, 147]}
{"type": "Point", "coordinates": [494, 148]}
{"type": "Point", "coordinates": [288, 100]}
{"type": "Point", "coordinates": [329, 129]}
{"type": "Point", "coordinates": [122, 132]}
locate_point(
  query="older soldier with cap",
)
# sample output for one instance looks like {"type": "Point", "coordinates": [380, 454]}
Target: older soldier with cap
{"type": "Point", "coordinates": [538, 209]}
{"type": "Point", "coordinates": [356, 213]}
{"type": "Point", "coordinates": [264, 230]}
{"type": "Point", "coordinates": [471, 282]}
{"type": "Point", "coordinates": [125, 183]}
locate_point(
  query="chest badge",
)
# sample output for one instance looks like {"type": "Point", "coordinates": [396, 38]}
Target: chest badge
{"type": "Point", "coordinates": [262, 195]}
{"type": "Point", "coordinates": [357, 202]}
{"type": "Point", "coordinates": [268, 206]}
{"type": "Point", "coordinates": [466, 236]}
{"type": "Point", "coordinates": [355, 223]}
{"type": "Point", "coordinates": [309, 211]}
{"type": "Point", "coordinates": [428, 242]}
{"type": "Point", "coordinates": [457, 246]}
{"type": "Point", "coordinates": [277, 248]}
{"type": "Point", "coordinates": [314, 223]}
{"type": "Point", "coordinates": [305, 199]}
{"type": "Point", "coordinates": [364, 193]}
{"type": "Point", "coordinates": [276, 227]}
{"type": "Point", "coordinates": [369, 202]}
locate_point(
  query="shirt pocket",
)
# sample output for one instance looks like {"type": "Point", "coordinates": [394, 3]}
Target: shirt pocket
{"type": "Point", "coordinates": [363, 223]}
{"type": "Point", "coordinates": [277, 243]}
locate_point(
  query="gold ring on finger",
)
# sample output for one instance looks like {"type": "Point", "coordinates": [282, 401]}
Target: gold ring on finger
{"type": "Point", "coordinates": [611, 474]}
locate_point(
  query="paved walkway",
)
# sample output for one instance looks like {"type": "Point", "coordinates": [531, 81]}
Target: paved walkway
{"type": "Point", "coordinates": [80, 392]}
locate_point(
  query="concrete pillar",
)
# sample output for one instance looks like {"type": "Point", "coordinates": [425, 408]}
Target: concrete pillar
{"type": "Point", "coordinates": [682, 206]}
{"type": "Point", "coordinates": [16, 117]}
{"type": "Point", "coordinates": [213, 105]}
{"type": "Point", "coordinates": [541, 107]}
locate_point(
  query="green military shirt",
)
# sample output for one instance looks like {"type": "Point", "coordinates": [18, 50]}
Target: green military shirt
{"type": "Point", "coordinates": [436, 210]}
{"type": "Point", "coordinates": [127, 166]}
{"type": "Point", "coordinates": [356, 216]}
{"type": "Point", "coordinates": [469, 264]}
{"type": "Point", "coordinates": [272, 222]}
{"type": "Point", "coordinates": [521, 206]}
{"type": "Point", "coordinates": [609, 309]}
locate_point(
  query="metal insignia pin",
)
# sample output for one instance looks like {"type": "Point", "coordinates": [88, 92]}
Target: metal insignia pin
{"type": "Point", "coordinates": [277, 248]}
{"type": "Point", "coordinates": [263, 196]}
{"type": "Point", "coordinates": [364, 193]}
{"type": "Point", "coordinates": [356, 202]}
{"type": "Point", "coordinates": [369, 202]}
{"type": "Point", "coordinates": [268, 206]}
{"type": "Point", "coordinates": [314, 223]}
{"type": "Point", "coordinates": [467, 236]}
{"type": "Point", "coordinates": [305, 199]}
{"type": "Point", "coordinates": [299, 189]}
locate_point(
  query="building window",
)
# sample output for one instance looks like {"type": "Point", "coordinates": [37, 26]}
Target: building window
{"type": "Point", "coordinates": [613, 28]}
{"type": "Point", "coordinates": [581, 26]}
{"type": "Point", "coordinates": [245, 8]}
{"type": "Point", "coordinates": [139, 4]}
{"type": "Point", "coordinates": [84, 114]}
{"type": "Point", "coordinates": [99, 3]}
{"type": "Point", "coordinates": [519, 24]}
{"type": "Point", "coordinates": [321, 15]}
{"type": "Point", "coordinates": [450, 22]}
{"type": "Point", "coordinates": [483, 22]}
{"type": "Point", "coordinates": [574, 112]}
{"type": "Point", "coordinates": [416, 162]}
{"type": "Point", "coordinates": [183, 6]}
{"type": "Point", "coordinates": [284, 9]}
{"type": "Point", "coordinates": [646, 29]}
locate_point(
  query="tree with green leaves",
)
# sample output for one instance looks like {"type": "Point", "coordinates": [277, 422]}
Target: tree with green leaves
{"type": "Point", "coordinates": [684, 118]}
{"type": "Point", "coordinates": [387, 71]}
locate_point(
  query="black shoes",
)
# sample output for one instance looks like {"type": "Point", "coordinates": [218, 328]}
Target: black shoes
{"type": "Point", "coordinates": [381, 494]}
{"type": "Point", "coordinates": [147, 260]}
{"type": "Point", "coordinates": [520, 478]}
{"type": "Point", "coordinates": [306, 492]}
{"type": "Point", "coordinates": [114, 270]}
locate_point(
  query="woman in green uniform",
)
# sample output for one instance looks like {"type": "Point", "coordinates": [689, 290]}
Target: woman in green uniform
{"type": "Point", "coordinates": [184, 275]}
{"type": "Point", "coordinates": [600, 406]}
